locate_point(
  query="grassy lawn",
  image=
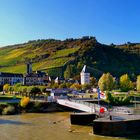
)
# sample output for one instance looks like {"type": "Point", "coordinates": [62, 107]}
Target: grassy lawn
{"type": "Point", "coordinates": [8, 97]}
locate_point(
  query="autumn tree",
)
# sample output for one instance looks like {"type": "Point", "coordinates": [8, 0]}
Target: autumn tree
{"type": "Point", "coordinates": [6, 87]}
{"type": "Point", "coordinates": [86, 86]}
{"type": "Point", "coordinates": [63, 85]}
{"type": "Point", "coordinates": [68, 85]}
{"type": "Point", "coordinates": [106, 82]}
{"type": "Point", "coordinates": [125, 83]}
{"type": "Point", "coordinates": [24, 102]}
{"type": "Point", "coordinates": [138, 83]}
{"type": "Point", "coordinates": [93, 82]}
{"type": "Point", "coordinates": [76, 86]}
{"type": "Point", "coordinates": [55, 85]}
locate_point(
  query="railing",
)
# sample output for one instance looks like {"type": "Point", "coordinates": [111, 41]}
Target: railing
{"type": "Point", "coordinates": [94, 106]}
{"type": "Point", "coordinates": [122, 110]}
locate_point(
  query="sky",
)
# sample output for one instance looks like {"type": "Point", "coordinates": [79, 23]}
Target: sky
{"type": "Point", "coordinates": [110, 21]}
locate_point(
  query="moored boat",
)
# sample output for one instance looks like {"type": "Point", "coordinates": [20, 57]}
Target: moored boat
{"type": "Point", "coordinates": [117, 127]}
{"type": "Point", "coordinates": [82, 118]}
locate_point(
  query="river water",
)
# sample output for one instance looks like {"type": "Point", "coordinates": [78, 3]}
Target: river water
{"type": "Point", "coordinates": [47, 126]}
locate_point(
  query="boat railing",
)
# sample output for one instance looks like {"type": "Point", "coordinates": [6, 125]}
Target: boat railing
{"type": "Point", "coordinates": [122, 110]}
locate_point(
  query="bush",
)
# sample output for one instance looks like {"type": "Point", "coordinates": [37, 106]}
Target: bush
{"type": "Point", "coordinates": [24, 102]}
{"type": "Point", "coordinates": [8, 110]}
{"type": "Point", "coordinates": [116, 100]}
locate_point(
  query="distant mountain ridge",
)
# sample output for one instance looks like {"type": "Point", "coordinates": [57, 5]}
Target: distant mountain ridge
{"type": "Point", "coordinates": [53, 56]}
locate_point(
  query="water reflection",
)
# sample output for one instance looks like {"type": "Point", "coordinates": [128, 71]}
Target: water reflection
{"type": "Point", "coordinates": [11, 122]}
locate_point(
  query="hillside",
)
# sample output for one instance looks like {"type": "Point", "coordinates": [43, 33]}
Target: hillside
{"type": "Point", "coordinates": [53, 56]}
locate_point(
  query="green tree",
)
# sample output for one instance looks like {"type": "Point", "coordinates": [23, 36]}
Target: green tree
{"type": "Point", "coordinates": [106, 82]}
{"type": "Point", "coordinates": [68, 72]}
{"type": "Point", "coordinates": [125, 83]}
{"type": "Point", "coordinates": [29, 88]}
{"type": "Point", "coordinates": [24, 90]}
{"type": "Point", "coordinates": [17, 87]}
{"type": "Point", "coordinates": [11, 89]}
{"type": "Point", "coordinates": [138, 83]}
{"type": "Point", "coordinates": [79, 66]}
{"type": "Point", "coordinates": [110, 98]}
{"type": "Point", "coordinates": [34, 91]}
{"type": "Point", "coordinates": [63, 85]}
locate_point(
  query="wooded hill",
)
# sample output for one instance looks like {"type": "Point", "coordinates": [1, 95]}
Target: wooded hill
{"type": "Point", "coordinates": [54, 56]}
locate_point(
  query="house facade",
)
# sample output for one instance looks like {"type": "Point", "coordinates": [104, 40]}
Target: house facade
{"type": "Point", "coordinates": [10, 78]}
{"type": "Point", "coordinates": [34, 78]}
{"type": "Point", "coordinates": [38, 78]}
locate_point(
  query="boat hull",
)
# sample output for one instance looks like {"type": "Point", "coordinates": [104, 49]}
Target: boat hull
{"type": "Point", "coordinates": [82, 118]}
{"type": "Point", "coordinates": [122, 128]}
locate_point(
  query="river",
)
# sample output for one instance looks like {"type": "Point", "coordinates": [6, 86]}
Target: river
{"type": "Point", "coordinates": [47, 126]}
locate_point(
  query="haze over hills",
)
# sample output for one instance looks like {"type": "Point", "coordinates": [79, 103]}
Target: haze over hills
{"type": "Point", "coordinates": [54, 56]}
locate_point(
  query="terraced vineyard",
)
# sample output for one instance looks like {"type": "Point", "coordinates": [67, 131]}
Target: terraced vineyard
{"type": "Point", "coordinates": [13, 57]}
{"type": "Point", "coordinates": [53, 56]}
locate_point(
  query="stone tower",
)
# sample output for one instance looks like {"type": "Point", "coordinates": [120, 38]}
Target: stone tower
{"type": "Point", "coordinates": [29, 67]}
{"type": "Point", "coordinates": [85, 76]}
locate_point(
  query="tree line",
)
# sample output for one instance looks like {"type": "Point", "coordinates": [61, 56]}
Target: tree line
{"type": "Point", "coordinates": [124, 83]}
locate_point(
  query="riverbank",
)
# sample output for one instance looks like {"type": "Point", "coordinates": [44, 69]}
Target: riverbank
{"type": "Point", "coordinates": [12, 108]}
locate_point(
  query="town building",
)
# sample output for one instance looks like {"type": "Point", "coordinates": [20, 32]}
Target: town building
{"type": "Point", "coordinates": [59, 80]}
{"type": "Point", "coordinates": [58, 94]}
{"type": "Point", "coordinates": [10, 78]}
{"type": "Point", "coordinates": [85, 76]}
{"type": "Point", "coordinates": [38, 78]}
{"type": "Point", "coordinates": [34, 78]}
{"type": "Point", "coordinates": [31, 78]}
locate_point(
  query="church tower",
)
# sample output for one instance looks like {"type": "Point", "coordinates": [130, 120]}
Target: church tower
{"type": "Point", "coordinates": [29, 67]}
{"type": "Point", "coordinates": [85, 76]}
